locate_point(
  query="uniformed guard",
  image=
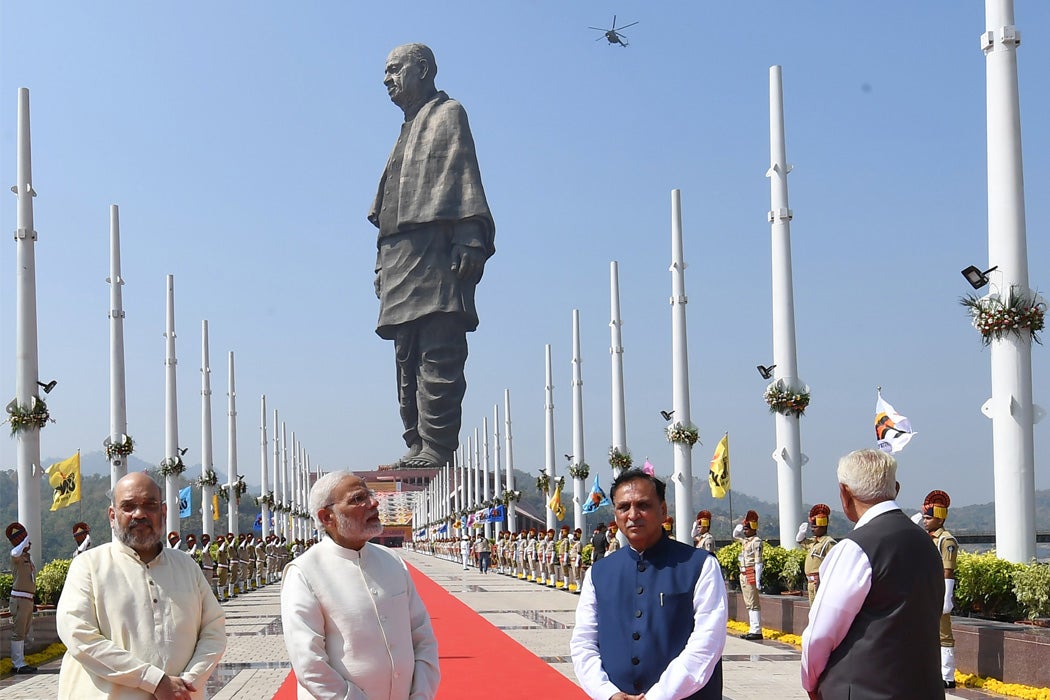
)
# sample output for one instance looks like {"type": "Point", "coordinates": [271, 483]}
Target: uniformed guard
{"type": "Point", "coordinates": [222, 565]}
{"type": "Point", "coordinates": [549, 558]}
{"type": "Point", "coordinates": [23, 589]}
{"type": "Point", "coordinates": [614, 542]}
{"type": "Point", "coordinates": [817, 546]}
{"type": "Point", "coordinates": [530, 555]}
{"type": "Point", "coordinates": [575, 560]}
{"type": "Point", "coordinates": [82, 536]}
{"type": "Point", "coordinates": [750, 571]}
{"type": "Point", "coordinates": [174, 541]}
{"type": "Point", "coordinates": [248, 557]}
{"type": "Point", "coordinates": [934, 513]}
{"type": "Point", "coordinates": [260, 562]}
{"type": "Point", "coordinates": [235, 564]}
{"type": "Point", "coordinates": [702, 532]}
{"type": "Point", "coordinates": [561, 559]}
{"type": "Point", "coordinates": [208, 562]}
{"type": "Point", "coordinates": [191, 547]}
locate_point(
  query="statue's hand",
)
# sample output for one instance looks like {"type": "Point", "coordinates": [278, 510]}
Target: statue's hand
{"type": "Point", "coordinates": [378, 284]}
{"type": "Point", "coordinates": [468, 263]}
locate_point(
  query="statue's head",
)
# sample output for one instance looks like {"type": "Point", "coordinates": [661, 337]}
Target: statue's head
{"type": "Point", "coordinates": [409, 75]}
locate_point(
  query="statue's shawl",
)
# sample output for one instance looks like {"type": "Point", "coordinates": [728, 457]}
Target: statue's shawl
{"type": "Point", "coordinates": [440, 177]}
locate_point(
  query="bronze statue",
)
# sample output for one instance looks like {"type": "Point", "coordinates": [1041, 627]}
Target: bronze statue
{"type": "Point", "coordinates": [435, 234]}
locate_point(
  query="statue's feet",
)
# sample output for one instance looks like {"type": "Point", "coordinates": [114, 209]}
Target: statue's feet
{"type": "Point", "coordinates": [428, 458]}
{"type": "Point", "coordinates": [413, 453]}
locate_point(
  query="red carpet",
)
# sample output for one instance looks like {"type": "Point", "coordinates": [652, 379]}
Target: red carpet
{"type": "Point", "coordinates": [477, 659]}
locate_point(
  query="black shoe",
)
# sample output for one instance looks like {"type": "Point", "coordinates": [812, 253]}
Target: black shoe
{"type": "Point", "coordinates": [26, 669]}
{"type": "Point", "coordinates": [949, 684]}
{"type": "Point", "coordinates": [752, 636]}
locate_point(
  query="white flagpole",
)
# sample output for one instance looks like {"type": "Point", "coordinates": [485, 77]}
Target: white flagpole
{"type": "Point", "coordinates": [231, 452]}
{"type": "Point", "coordinates": [619, 406]}
{"type": "Point", "coordinates": [207, 458]}
{"type": "Point", "coordinates": [496, 490]}
{"type": "Point", "coordinates": [171, 414]}
{"type": "Point", "coordinates": [512, 511]}
{"type": "Point", "coordinates": [264, 469]}
{"type": "Point", "coordinates": [683, 456]}
{"type": "Point", "coordinates": [788, 453]}
{"type": "Point", "coordinates": [549, 461]}
{"type": "Point", "coordinates": [118, 403]}
{"type": "Point", "coordinates": [1011, 406]}
{"type": "Point", "coordinates": [578, 457]}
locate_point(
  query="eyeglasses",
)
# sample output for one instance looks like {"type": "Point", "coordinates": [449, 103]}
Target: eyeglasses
{"type": "Point", "coordinates": [360, 498]}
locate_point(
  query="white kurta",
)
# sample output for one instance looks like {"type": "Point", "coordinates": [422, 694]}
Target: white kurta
{"type": "Point", "coordinates": [355, 627]}
{"type": "Point", "coordinates": [126, 624]}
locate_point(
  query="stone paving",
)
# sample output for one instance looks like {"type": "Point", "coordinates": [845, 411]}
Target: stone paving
{"type": "Point", "coordinates": [540, 618]}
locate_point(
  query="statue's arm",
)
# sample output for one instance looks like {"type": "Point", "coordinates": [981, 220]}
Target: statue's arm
{"type": "Point", "coordinates": [469, 249]}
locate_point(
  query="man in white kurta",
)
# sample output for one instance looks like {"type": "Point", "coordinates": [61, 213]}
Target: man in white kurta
{"type": "Point", "coordinates": [354, 625]}
{"type": "Point", "coordinates": [138, 619]}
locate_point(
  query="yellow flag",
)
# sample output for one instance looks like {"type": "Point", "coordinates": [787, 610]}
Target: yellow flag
{"type": "Point", "coordinates": [64, 478]}
{"type": "Point", "coordinates": [718, 476]}
{"type": "Point", "coordinates": [214, 506]}
{"type": "Point", "coordinates": [555, 502]}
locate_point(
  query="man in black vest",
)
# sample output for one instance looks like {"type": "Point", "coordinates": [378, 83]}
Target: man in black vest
{"type": "Point", "coordinates": [873, 626]}
{"type": "Point", "coordinates": [651, 621]}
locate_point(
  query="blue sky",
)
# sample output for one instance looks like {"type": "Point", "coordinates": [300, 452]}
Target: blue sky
{"type": "Point", "coordinates": [243, 143]}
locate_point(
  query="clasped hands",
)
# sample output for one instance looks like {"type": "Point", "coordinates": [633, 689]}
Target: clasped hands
{"type": "Point", "coordinates": [467, 262]}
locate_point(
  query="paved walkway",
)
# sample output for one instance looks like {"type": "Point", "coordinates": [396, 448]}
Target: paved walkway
{"type": "Point", "coordinates": [539, 618]}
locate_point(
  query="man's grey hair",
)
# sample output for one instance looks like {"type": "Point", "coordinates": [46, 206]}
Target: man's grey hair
{"type": "Point", "coordinates": [870, 475]}
{"type": "Point", "coordinates": [422, 52]}
{"type": "Point", "coordinates": [321, 492]}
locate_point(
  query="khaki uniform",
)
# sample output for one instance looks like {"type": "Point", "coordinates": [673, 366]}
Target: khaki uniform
{"type": "Point", "coordinates": [750, 557]}
{"type": "Point", "coordinates": [816, 549]}
{"type": "Point", "coordinates": [23, 589]}
{"type": "Point", "coordinates": [575, 553]}
{"type": "Point", "coordinates": [222, 558]}
{"type": "Point", "coordinates": [948, 548]}
{"type": "Point", "coordinates": [208, 566]}
{"type": "Point", "coordinates": [614, 543]}
{"type": "Point", "coordinates": [706, 542]}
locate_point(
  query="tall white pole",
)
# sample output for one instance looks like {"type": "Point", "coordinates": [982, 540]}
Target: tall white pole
{"type": "Point", "coordinates": [118, 400]}
{"type": "Point", "coordinates": [497, 492]}
{"type": "Point", "coordinates": [207, 458]}
{"type": "Point", "coordinates": [171, 416]}
{"type": "Point", "coordinates": [265, 471]}
{"type": "Point", "coordinates": [293, 488]}
{"type": "Point", "coordinates": [619, 404]}
{"type": "Point", "coordinates": [476, 464]}
{"type": "Point", "coordinates": [286, 528]}
{"type": "Point", "coordinates": [231, 452]}
{"type": "Point", "coordinates": [486, 492]}
{"type": "Point", "coordinates": [512, 510]}
{"type": "Point", "coordinates": [275, 494]}
{"type": "Point", "coordinates": [27, 440]}
{"type": "Point", "coordinates": [788, 453]}
{"type": "Point", "coordinates": [683, 455]}
{"type": "Point", "coordinates": [549, 463]}
{"type": "Point", "coordinates": [1011, 406]}
{"type": "Point", "coordinates": [577, 422]}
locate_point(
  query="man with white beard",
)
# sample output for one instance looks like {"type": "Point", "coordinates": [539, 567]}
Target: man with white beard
{"type": "Point", "coordinates": [353, 622]}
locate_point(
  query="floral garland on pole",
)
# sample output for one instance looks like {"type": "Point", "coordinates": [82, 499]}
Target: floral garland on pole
{"type": "Point", "coordinates": [28, 418]}
{"type": "Point", "coordinates": [240, 488]}
{"type": "Point", "coordinates": [995, 318]}
{"type": "Point", "coordinates": [172, 466]}
{"type": "Point", "coordinates": [120, 449]}
{"type": "Point", "coordinates": [207, 478]}
{"type": "Point", "coordinates": [543, 482]}
{"type": "Point", "coordinates": [579, 471]}
{"type": "Point", "coordinates": [784, 399]}
{"type": "Point", "coordinates": [265, 500]}
{"type": "Point", "coordinates": [620, 460]}
{"type": "Point", "coordinates": [509, 497]}
{"type": "Point", "coordinates": [683, 434]}
{"type": "Point", "coordinates": [223, 492]}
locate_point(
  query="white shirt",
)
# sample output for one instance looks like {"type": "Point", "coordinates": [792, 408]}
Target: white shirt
{"type": "Point", "coordinates": [355, 627]}
{"type": "Point", "coordinates": [686, 673]}
{"type": "Point", "coordinates": [127, 624]}
{"type": "Point", "coordinates": [845, 580]}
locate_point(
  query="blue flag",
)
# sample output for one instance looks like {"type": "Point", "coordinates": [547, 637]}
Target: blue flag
{"type": "Point", "coordinates": [497, 514]}
{"type": "Point", "coordinates": [258, 522]}
{"type": "Point", "coordinates": [596, 499]}
{"type": "Point", "coordinates": [185, 502]}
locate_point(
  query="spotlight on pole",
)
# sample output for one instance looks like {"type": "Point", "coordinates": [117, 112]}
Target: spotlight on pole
{"type": "Point", "coordinates": [49, 386]}
{"type": "Point", "coordinates": [667, 414]}
{"type": "Point", "coordinates": [975, 277]}
{"type": "Point", "coordinates": [766, 372]}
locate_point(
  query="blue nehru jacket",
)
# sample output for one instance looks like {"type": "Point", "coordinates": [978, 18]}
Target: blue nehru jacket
{"type": "Point", "coordinates": [644, 606]}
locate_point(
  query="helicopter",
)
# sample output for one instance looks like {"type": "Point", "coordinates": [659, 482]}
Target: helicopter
{"type": "Point", "coordinates": [614, 35]}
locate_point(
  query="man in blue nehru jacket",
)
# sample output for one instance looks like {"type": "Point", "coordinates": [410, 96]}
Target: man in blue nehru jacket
{"type": "Point", "coordinates": [651, 621]}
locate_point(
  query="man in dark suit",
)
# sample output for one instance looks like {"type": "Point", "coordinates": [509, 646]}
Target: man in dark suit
{"type": "Point", "coordinates": [599, 543]}
{"type": "Point", "coordinates": [873, 627]}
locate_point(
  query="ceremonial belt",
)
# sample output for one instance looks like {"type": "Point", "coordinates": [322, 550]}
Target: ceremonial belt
{"type": "Point", "coordinates": [813, 578]}
{"type": "Point", "coordinates": [21, 594]}
{"type": "Point", "coordinates": [224, 566]}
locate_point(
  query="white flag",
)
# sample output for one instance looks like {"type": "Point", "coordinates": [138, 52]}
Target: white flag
{"type": "Point", "coordinates": [892, 430]}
